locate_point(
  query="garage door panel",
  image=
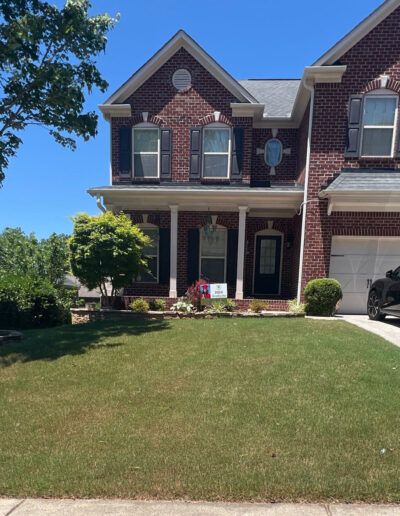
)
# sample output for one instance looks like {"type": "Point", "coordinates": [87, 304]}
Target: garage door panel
{"type": "Point", "coordinates": [348, 245]}
{"type": "Point", "coordinates": [357, 264]}
{"type": "Point", "coordinates": [356, 261]}
{"type": "Point", "coordinates": [353, 304]}
{"type": "Point", "coordinates": [386, 263]}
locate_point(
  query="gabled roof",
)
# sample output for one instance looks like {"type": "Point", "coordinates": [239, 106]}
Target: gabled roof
{"type": "Point", "coordinates": [359, 32]}
{"type": "Point", "coordinates": [180, 40]}
{"type": "Point", "coordinates": [277, 95]}
{"type": "Point", "coordinates": [364, 180]}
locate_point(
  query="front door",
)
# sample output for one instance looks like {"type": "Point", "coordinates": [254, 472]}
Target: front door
{"type": "Point", "coordinates": [267, 265]}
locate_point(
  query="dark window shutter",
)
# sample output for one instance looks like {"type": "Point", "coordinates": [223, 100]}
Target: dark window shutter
{"type": "Point", "coordinates": [125, 151]}
{"type": "Point", "coordinates": [237, 152]}
{"type": "Point", "coordinates": [164, 255]}
{"type": "Point", "coordinates": [354, 126]}
{"type": "Point", "coordinates": [166, 153]}
{"type": "Point", "coordinates": [193, 256]}
{"type": "Point", "coordinates": [231, 264]}
{"type": "Point", "coordinates": [195, 153]}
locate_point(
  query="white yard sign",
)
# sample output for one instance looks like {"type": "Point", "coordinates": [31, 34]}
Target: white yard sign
{"type": "Point", "coordinates": [218, 290]}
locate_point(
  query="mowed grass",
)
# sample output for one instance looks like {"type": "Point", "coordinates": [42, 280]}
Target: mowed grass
{"type": "Point", "coordinates": [260, 409]}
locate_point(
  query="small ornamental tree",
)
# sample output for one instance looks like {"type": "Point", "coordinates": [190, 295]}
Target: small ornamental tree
{"type": "Point", "coordinates": [106, 249]}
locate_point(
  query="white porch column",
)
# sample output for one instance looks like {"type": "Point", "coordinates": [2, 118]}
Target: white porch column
{"type": "Point", "coordinates": [241, 250]}
{"type": "Point", "coordinates": [174, 252]}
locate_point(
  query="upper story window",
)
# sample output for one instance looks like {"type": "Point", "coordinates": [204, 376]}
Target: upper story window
{"type": "Point", "coordinates": [379, 121]}
{"type": "Point", "coordinates": [146, 151]}
{"type": "Point", "coordinates": [216, 151]}
{"type": "Point", "coordinates": [151, 252]}
{"type": "Point", "coordinates": [213, 248]}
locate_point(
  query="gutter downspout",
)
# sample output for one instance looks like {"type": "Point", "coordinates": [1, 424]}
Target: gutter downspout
{"type": "Point", "coordinates": [309, 87]}
{"type": "Point", "coordinates": [100, 204]}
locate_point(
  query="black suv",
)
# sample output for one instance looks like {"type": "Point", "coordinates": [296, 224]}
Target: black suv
{"type": "Point", "coordinates": [384, 296]}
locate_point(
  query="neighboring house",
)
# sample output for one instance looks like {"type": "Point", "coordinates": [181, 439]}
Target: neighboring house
{"type": "Point", "coordinates": [263, 184]}
{"type": "Point", "coordinates": [71, 281]}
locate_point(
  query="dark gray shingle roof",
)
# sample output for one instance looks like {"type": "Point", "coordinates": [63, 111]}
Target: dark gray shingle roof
{"type": "Point", "coordinates": [366, 181]}
{"type": "Point", "coordinates": [278, 95]}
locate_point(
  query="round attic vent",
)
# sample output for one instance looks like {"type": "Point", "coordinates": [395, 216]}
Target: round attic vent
{"type": "Point", "coordinates": [182, 80]}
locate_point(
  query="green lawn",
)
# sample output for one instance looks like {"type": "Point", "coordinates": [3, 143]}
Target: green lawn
{"type": "Point", "coordinates": [245, 409]}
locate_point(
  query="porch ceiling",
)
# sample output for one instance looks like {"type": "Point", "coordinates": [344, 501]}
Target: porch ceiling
{"type": "Point", "coordinates": [280, 199]}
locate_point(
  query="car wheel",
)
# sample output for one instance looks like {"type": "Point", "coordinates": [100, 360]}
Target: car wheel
{"type": "Point", "coordinates": [374, 307]}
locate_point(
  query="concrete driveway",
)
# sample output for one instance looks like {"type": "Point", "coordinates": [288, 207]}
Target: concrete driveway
{"type": "Point", "coordinates": [389, 329]}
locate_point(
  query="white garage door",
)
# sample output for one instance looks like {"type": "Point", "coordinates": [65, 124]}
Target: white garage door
{"type": "Point", "coordinates": [358, 261]}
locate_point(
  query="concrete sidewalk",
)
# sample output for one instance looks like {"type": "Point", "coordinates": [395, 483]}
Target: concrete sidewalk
{"type": "Point", "coordinates": [42, 507]}
{"type": "Point", "coordinates": [389, 329]}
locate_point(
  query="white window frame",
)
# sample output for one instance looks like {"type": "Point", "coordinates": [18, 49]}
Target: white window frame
{"type": "Point", "coordinates": [146, 126]}
{"type": "Point", "coordinates": [218, 126]}
{"type": "Point", "coordinates": [393, 127]}
{"type": "Point", "coordinates": [144, 226]}
{"type": "Point", "coordinates": [218, 227]}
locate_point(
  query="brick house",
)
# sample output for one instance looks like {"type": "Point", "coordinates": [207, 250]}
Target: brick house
{"type": "Point", "coordinates": [262, 184]}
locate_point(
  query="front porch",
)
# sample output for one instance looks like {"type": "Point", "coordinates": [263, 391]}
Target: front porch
{"type": "Point", "coordinates": [254, 247]}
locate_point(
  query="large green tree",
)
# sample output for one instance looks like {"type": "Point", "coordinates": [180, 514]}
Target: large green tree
{"type": "Point", "coordinates": [47, 67]}
{"type": "Point", "coordinates": [25, 255]}
{"type": "Point", "coordinates": [106, 249]}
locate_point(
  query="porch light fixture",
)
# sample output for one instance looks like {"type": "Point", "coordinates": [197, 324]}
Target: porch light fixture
{"type": "Point", "coordinates": [211, 226]}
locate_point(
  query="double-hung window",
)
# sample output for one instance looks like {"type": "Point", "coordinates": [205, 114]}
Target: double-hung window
{"type": "Point", "coordinates": [378, 125]}
{"type": "Point", "coordinates": [216, 152]}
{"type": "Point", "coordinates": [213, 247]}
{"type": "Point", "coordinates": [146, 152]}
{"type": "Point", "coordinates": [151, 252]}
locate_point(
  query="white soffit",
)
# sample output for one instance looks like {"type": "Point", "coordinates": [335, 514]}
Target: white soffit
{"type": "Point", "coordinates": [180, 40]}
{"type": "Point", "coordinates": [359, 32]}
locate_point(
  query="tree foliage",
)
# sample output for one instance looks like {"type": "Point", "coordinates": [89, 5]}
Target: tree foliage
{"type": "Point", "coordinates": [25, 255]}
{"type": "Point", "coordinates": [47, 66]}
{"type": "Point", "coordinates": [106, 248]}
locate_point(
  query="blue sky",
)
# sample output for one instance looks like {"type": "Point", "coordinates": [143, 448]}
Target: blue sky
{"type": "Point", "coordinates": [46, 184]}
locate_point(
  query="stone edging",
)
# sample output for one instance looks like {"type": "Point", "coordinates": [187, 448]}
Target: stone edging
{"type": "Point", "coordinates": [83, 315]}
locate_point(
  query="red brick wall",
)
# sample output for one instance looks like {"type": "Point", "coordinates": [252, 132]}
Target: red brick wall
{"type": "Point", "coordinates": [188, 220]}
{"type": "Point", "coordinates": [286, 171]}
{"type": "Point", "coordinates": [181, 111]}
{"type": "Point", "coordinates": [376, 54]}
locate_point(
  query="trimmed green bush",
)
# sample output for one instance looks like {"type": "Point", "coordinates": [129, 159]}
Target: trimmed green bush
{"type": "Point", "coordinates": [27, 302]}
{"type": "Point", "coordinates": [139, 306]}
{"type": "Point", "coordinates": [321, 296]}
{"type": "Point", "coordinates": [257, 305]}
{"type": "Point", "coordinates": [158, 305]}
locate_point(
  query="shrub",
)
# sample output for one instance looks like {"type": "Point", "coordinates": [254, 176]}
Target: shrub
{"type": "Point", "coordinates": [193, 293]}
{"type": "Point", "coordinates": [257, 305]}
{"type": "Point", "coordinates": [27, 302]}
{"type": "Point", "coordinates": [158, 305]}
{"type": "Point", "coordinates": [222, 306]}
{"type": "Point", "coordinates": [322, 296]}
{"type": "Point", "coordinates": [183, 305]}
{"type": "Point", "coordinates": [295, 307]}
{"type": "Point", "coordinates": [139, 306]}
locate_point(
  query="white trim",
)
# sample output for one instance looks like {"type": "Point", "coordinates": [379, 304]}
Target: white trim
{"type": "Point", "coordinates": [305, 198]}
{"type": "Point", "coordinates": [173, 268]}
{"type": "Point", "coordinates": [180, 40]}
{"type": "Point", "coordinates": [157, 197]}
{"type": "Point", "coordinates": [146, 126]}
{"type": "Point", "coordinates": [268, 232]}
{"type": "Point", "coordinates": [393, 127]}
{"type": "Point", "coordinates": [359, 32]}
{"type": "Point", "coordinates": [362, 201]}
{"type": "Point", "coordinates": [241, 252]}
{"type": "Point", "coordinates": [217, 127]}
{"type": "Point", "coordinates": [118, 110]}
{"type": "Point", "coordinates": [144, 226]}
{"type": "Point", "coordinates": [219, 228]}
